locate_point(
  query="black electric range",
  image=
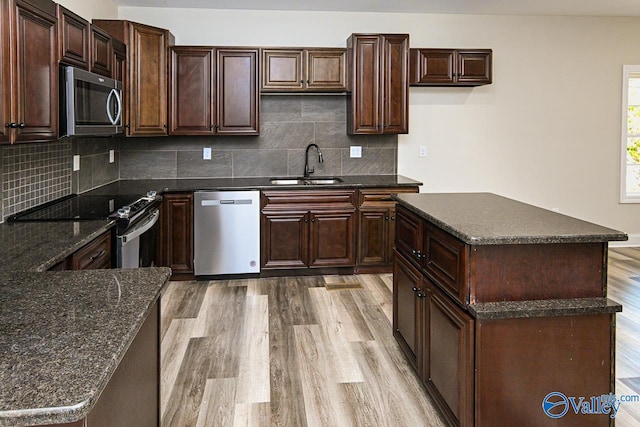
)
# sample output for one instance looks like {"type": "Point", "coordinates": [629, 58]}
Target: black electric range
{"type": "Point", "coordinates": [125, 209]}
{"type": "Point", "coordinates": [135, 216]}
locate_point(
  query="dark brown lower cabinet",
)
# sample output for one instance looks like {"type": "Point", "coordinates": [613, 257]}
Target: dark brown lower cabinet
{"type": "Point", "coordinates": [308, 229]}
{"type": "Point", "coordinates": [448, 355]}
{"type": "Point", "coordinates": [332, 238]}
{"type": "Point", "coordinates": [377, 228]}
{"type": "Point", "coordinates": [96, 254]}
{"type": "Point", "coordinates": [312, 239]}
{"type": "Point", "coordinates": [177, 232]}
{"type": "Point", "coordinates": [132, 395]}
{"type": "Point", "coordinates": [285, 240]}
{"type": "Point", "coordinates": [493, 362]}
{"type": "Point", "coordinates": [408, 293]}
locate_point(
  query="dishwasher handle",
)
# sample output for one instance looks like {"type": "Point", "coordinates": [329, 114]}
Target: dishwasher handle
{"type": "Point", "coordinates": [226, 202]}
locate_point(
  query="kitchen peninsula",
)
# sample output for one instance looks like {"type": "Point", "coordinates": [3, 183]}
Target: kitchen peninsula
{"type": "Point", "coordinates": [78, 345]}
{"type": "Point", "coordinates": [498, 303]}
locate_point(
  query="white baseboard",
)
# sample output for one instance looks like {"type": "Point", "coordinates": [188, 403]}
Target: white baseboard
{"type": "Point", "coordinates": [634, 240]}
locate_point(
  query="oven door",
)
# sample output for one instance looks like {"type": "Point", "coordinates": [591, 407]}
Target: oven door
{"type": "Point", "coordinates": [137, 245]}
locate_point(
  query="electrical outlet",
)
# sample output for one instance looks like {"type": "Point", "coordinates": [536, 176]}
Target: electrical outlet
{"type": "Point", "coordinates": [355, 152]}
{"type": "Point", "coordinates": [206, 153]}
{"type": "Point", "coordinates": [423, 151]}
{"type": "Point", "coordinates": [76, 163]}
{"type": "Point", "coordinates": [112, 156]}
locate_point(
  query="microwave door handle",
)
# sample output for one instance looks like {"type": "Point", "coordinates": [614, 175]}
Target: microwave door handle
{"type": "Point", "coordinates": [118, 103]}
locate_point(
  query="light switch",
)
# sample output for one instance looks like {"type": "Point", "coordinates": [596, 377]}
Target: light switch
{"type": "Point", "coordinates": [76, 163]}
{"type": "Point", "coordinates": [355, 152]}
{"type": "Point", "coordinates": [112, 156]}
{"type": "Point", "coordinates": [206, 153]}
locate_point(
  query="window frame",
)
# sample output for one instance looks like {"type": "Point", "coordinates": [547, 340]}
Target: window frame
{"type": "Point", "coordinates": [627, 72]}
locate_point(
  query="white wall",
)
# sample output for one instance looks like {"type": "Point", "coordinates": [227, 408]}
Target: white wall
{"type": "Point", "coordinates": [546, 132]}
{"type": "Point", "coordinates": [90, 9]}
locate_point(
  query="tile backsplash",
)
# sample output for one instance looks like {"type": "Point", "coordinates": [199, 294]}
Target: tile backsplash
{"type": "Point", "coordinates": [287, 125]}
{"type": "Point", "coordinates": [33, 174]}
{"type": "Point", "coordinates": [37, 173]}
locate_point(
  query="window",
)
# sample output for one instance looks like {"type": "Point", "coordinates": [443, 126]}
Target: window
{"type": "Point", "coordinates": [630, 170]}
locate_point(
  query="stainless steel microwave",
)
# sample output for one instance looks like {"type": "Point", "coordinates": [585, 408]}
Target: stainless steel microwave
{"type": "Point", "coordinates": [90, 104]}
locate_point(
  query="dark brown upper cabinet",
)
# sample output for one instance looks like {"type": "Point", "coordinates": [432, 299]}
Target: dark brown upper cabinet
{"type": "Point", "coordinates": [450, 67]}
{"type": "Point", "coordinates": [238, 95]}
{"type": "Point", "coordinates": [83, 45]}
{"type": "Point", "coordinates": [119, 68]}
{"type": "Point", "coordinates": [101, 52]}
{"type": "Point", "coordinates": [29, 99]}
{"type": "Point", "coordinates": [73, 38]}
{"type": "Point", "coordinates": [378, 84]}
{"type": "Point", "coordinates": [304, 70]}
{"type": "Point", "coordinates": [146, 77]}
{"type": "Point", "coordinates": [213, 91]}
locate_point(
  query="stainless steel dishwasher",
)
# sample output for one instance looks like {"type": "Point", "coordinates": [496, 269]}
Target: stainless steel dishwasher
{"type": "Point", "coordinates": [227, 232]}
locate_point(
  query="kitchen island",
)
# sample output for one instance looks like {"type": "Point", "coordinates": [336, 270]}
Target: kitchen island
{"type": "Point", "coordinates": [502, 309]}
{"type": "Point", "coordinates": [80, 345]}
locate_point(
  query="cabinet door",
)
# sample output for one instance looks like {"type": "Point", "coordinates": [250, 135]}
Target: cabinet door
{"type": "Point", "coordinates": [326, 70]}
{"type": "Point", "coordinates": [147, 100]}
{"type": "Point", "coordinates": [5, 86]}
{"type": "Point", "coordinates": [373, 236]}
{"type": "Point", "coordinates": [395, 98]}
{"type": "Point", "coordinates": [74, 38]}
{"type": "Point", "coordinates": [177, 232]}
{"type": "Point", "coordinates": [34, 108]}
{"type": "Point", "coordinates": [285, 239]}
{"type": "Point", "coordinates": [408, 237]}
{"type": "Point", "coordinates": [332, 238]}
{"type": "Point", "coordinates": [282, 70]}
{"type": "Point", "coordinates": [408, 296]}
{"type": "Point", "coordinates": [237, 91]}
{"type": "Point", "coordinates": [448, 357]}
{"type": "Point", "coordinates": [432, 66]}
{"type": "Point", "coordinates": [119, 69]}
{"type": "Point", "coordinates": [101, 52]}
{"type": "Point", "coordinates": [473, 67]}
{"type": "Point", "coordinates": [191, 91]}
{"type": "Point", "coordinates": [364, 114]}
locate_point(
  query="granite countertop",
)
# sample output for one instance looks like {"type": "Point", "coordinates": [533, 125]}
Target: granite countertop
{"type": "Point", "coordinates": [543, 308]}
{"type": "Point", "coordinates": [489, 219]}
{"type": "Point", "coordinates": [62, 335]}
{"type": "Point", "coordinates": [37, 246]}
{"type": "Point", "coordinates": [141, 186]}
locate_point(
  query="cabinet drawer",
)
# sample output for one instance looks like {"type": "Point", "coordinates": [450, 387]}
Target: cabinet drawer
{"type": "Point", "coordinates": [381, 196]}
{"type": "Point", "coordinates": [310, 199]}
{"type": "Point", "coordinates": [445, 261]}
{"type": "Point", "coordinates": [94, 255]}
{"type": "Point", "coordinates": [409, 235]}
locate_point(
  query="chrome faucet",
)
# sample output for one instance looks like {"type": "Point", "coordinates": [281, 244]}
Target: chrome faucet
{"type": "Point", "coordinates": [307, 169]}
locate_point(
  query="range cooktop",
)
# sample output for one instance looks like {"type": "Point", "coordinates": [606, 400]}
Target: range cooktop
{"type": "Point", "coordinates": [76, 207]}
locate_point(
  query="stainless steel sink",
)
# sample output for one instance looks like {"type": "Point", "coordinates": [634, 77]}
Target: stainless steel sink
{"type": "Point", "coordinates": [325, 181]}
{"type": "Point", "coordinates": [287, 181]}
{"type": "Point", "coordinates": [305, 181]}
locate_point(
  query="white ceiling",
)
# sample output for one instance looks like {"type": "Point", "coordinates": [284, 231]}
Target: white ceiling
{"type": "Point", "coordinates": [475, 7]}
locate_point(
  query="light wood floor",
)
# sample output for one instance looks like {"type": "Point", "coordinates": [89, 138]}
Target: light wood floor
{"type": "Point", "coordinates": [624, 287]}
{"type": "Point", "coordinates": [290, 352]}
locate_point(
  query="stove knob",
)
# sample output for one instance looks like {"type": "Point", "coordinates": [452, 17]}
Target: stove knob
{"type": "Point", "coordinates": [124, 211]}
{"type": "Point", "coordinates": [151, 194]}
